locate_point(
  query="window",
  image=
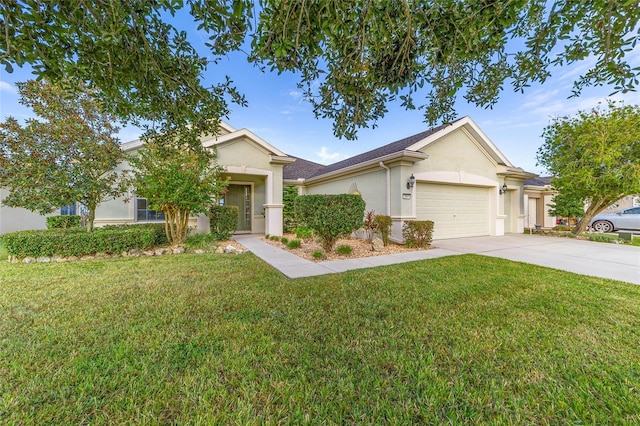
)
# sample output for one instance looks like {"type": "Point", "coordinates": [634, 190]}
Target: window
{"type": "Point", "coordinates": [69, 210]}
{"type": "Point", "coordinates": [143, 214]}
{"type": "Point", "coordinates": [635, 210]}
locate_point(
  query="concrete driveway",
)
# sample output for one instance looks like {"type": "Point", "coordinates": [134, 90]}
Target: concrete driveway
{"type": "Point", "coordinates": [583, 257]}
{"type": "Point", "coordinates": [618, 262]}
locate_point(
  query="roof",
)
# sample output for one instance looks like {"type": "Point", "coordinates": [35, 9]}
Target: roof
{"type": "Point", "coordinates": [539, 181]}
{"type": "Point", "coordinates": [301, 169]}
{"type": "Point", "coordinates": [391, 148]}
{"type": "Point", "coordinates": [304, 169]}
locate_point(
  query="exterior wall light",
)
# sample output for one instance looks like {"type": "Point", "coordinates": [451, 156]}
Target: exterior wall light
{"type": "Point", "coordinates": [411, 182]}
{"type": "Point", "coordinates": [503, 189]}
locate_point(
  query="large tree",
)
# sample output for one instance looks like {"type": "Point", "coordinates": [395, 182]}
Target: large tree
{"type": "Point", "coordinates": [594, 156]}
{"type": "Point", "coordinates": [352, 56]}
{"type": "Point", "coordinates": [67, 154]}
{"type": "Point", "coordinates": [177, 176]}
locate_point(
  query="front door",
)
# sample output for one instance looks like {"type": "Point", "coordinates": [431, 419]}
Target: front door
{"type": "Point", "coordinates": [240, 196]}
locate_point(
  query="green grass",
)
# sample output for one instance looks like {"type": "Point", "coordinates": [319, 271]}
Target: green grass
{"type": "Point", "coordinates": [219, 339]}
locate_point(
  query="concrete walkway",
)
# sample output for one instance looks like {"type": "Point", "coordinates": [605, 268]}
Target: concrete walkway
{"type": "Point", "coordinates": [603, 260]}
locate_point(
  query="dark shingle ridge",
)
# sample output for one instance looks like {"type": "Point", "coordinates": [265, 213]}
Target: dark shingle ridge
{"type": "Point", "coordinates": [388, 149]}
{"type": "Point", "coordinates": [539, 181]}
{"type": "Point", "coordinates": [306, 169]}
{"type": "Point", "coordinates": [301, 168]}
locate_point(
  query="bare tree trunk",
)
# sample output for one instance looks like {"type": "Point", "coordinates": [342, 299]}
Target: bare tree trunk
{"type": "Point", "coordinates": [594, 208]}
{"type": "Point", "coordinates": [91, 218]}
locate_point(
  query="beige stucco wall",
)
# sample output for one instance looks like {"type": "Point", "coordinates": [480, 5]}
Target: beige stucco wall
{"type": "Point", "coordinates": [371, 185]}
{"type": "Point", "coordinates": [18, 219]}
{"type": "Point", "coordinates": [456, 152]}
{"type": "Point", "coordinates": [243, 152]}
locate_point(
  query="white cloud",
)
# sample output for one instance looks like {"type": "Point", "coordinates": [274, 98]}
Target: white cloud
{"type": "Point", "coordinates": [327, 156]}
{"type": "Point", "coordinates": [295, 94]}
{"type": "Point", "coordinates": [7, 87]}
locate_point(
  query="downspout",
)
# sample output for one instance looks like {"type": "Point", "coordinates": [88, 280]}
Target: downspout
{"type": "Point", "coordinates": [388, 187]}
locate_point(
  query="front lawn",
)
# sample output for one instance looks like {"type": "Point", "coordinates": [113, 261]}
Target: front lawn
{"type": "Point", "coordinates": [222, 339]}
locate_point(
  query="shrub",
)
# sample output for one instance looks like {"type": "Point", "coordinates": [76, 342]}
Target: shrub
{"type": "Point", "coordinates": [274, 238]}
{"type": "Point", "coordinates": [344, 249]}
{"type": "Point", "coordinates": [330, 216]}
{"type": "Point", "coordinates": [293, 244]}
{"type": "Point", "coordinates": [369, 224]}
{"type": "Point", "coordinates": [561, 228]}
{"type": "Point", "coordinates": [202, 240]}
{"type": "Point", "coordinates": [317, 254]}
{"type": "Point", "coordinates": [603, 238]}
{"type": "Point", "coordinates": [223, 221]}
{"type": "Point", "coordinates": [383, 226]}
{"type": "Point", "coordinates": [303, 233]}
{"type": "Point", "coordinates": [418, 233]}
{"type": "Point", "coordinates": [63, 222]}
{"type": "Point", "coordinates": [284, 240]}
{"type": "Point", "coordinates": [79, 242]}
{"type": "Point", "coordinates": [158, 228]}
{"type": "Point", "coordinates": [289, 195]}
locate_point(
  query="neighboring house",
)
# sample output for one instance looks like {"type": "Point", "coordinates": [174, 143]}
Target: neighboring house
{"type": "Point", "coordinates": [255, 170]}
{"type": "Point", "coordinates": [453, 175]}
{"type": "Point", "coordinates": [539, 192]}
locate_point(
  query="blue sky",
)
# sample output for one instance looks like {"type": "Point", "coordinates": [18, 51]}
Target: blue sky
{"type": "Point", "coordinates": [278, 113]}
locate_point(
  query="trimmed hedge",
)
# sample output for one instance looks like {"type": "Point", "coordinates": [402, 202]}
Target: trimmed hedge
{"type": "Point", "coordinates": [158, 228]}
{"type": "Point", "coordinates": [63, 222]}
{"type": "Point", "coordinates": [330, 216]}
{"type": "Point", "coordinates": [72, 242]}
{"type": "Point", "coordinates": [418, 233]}
{"type": "Point", "coordinates": [223, 221]}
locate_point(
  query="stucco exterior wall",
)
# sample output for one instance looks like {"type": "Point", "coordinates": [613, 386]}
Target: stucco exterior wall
{"type": "Point", "coordinates": [371, 185]}
{"type": "Point", "coordinates": [14, 219]}
{"type": "Point", "coordinates": [242, 152]}
{"type": "Point", "coordinates": [456, 152]}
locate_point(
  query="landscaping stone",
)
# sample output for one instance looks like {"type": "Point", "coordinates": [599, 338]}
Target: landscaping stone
{"type": "Point", "coordinates": [149, 253]}
{"type": "Point", "coordinates": [377, 244]}
{"type": "Point", "coordinates": [43, 259]}
{"type": "Point", "coordinates": [73, 258]}
{"type": "Point", "coordinates": [162, 250]}
{"type": "Point", "coordinates": [87, 257]}
{"type": "Point", "coordinates": [220, 250]}
{"type": "Point", "coordinates": [198, 251]}
{"type": "Point", "coordinates": [178, 250]}
{"type": "Point", "coordinates": [233, 250]}
{"type": "Point", "coordinates": [135, 253]}
{"type": "Point", "coordinates": [28, 260]}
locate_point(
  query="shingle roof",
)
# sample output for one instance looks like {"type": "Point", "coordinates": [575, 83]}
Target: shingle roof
{"type": "Point", "coordinates": [301, 168]}
{"type": "Point", "coordinates": [306, 169]}
{"type": "Point", "coordinates": [538, 181]}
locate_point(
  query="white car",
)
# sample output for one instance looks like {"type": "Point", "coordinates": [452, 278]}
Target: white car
{"type": "Point", "coordinates": [628, 219]}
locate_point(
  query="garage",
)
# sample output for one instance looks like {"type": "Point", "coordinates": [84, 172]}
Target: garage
{"type": "Point", "coordinates": [457, 210]}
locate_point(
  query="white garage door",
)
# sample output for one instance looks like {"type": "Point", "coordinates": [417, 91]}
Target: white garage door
{"type": "Point", "coordinates": [457, 211]}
